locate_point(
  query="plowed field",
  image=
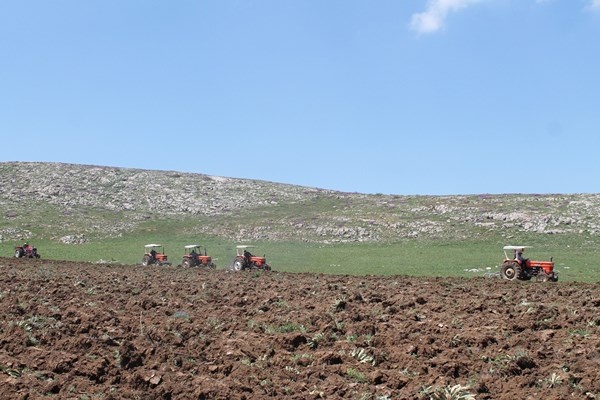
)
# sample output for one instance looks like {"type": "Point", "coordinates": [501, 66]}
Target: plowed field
{"type": "Point", "coordinates": [86, 331]}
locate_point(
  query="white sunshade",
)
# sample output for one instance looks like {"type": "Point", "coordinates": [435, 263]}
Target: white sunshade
{"type": "Point", "coordinates": [516, 247]}
{"type": "Point", "coordinates": [244, 246]}
{"type": "Point", "coordinates": [152, 245]}
{"type": "Point", "coordinates": [191, 246]}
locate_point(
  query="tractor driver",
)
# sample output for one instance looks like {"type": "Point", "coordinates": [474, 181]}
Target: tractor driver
{"type": "Point", "coordinates": [247, 256]}
{"type": "Point", "coordinates": [194, 257]}
{"type": "Point", "coordinates": [519, 256]}
{"type": "Point", "coordinates": [153, 254]}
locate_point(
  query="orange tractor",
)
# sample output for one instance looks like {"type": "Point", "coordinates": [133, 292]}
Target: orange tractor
{"type": "Point", "coordinates": [154, 254]}
{"type": "Point", "coordinates": [246, 260]}
{"type": "Point", "coordinates": [193, 257]}
{"type": "Point", "coordinates": [524, 269]}
{"type": "Point", "coordinates": [27, 251]}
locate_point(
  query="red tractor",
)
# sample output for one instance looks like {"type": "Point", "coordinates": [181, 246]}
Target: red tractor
{"type": "Point", "coordinates": [193, 257]}
{"type": "Point", "coordinates": [524, 269]}
{"type": "Point", "coordinates": [246, 260]}
{"type": "Point", "coordinates": [154, 257]}
{"type": "Point", "coordinates": [26, 251]}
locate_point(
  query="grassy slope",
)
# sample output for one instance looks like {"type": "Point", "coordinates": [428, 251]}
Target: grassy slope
{"type": "Point", "coordinates": [467, 247]}
{"type": "Point", "coordinates": [575, 256]}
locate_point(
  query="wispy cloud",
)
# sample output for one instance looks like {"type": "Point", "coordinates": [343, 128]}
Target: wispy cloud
{"type": "Point", "coordinates": [594, 5]}
{"type": "Point", "coordinates": [434, 16]}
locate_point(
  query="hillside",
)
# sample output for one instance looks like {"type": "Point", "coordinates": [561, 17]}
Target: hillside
{"type": "Point", "coordinates": [107, 329]}
{"type": "Point", "coordinates": [76, 203]}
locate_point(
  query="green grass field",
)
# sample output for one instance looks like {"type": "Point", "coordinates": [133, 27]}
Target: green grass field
{"type": "Point", "coordinates": [120, 238]}
{"type": "Point", "coordinates": [575, 257]}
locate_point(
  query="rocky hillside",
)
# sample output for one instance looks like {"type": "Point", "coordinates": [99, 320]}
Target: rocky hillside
{"type": "Point", "coordinates": [71, 202]}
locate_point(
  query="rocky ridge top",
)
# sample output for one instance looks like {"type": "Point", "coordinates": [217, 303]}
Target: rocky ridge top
{"type": "Point", "coordinates": [286, 212]}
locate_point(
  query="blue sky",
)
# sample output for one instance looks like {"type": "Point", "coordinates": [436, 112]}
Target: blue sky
{"type": "Point", "coordinates": [384, 96]}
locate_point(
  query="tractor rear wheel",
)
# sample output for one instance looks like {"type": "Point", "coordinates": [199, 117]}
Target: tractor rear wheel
{"type": "Point", "coordinates": [17, 253]}
{"type": "Point", "coordinates": [510, 271]}
{"type": "Point", "coordinates": [239, 264]}
{"type": "Point", "coordinates": [186, 263]}
{"type": "Point", "coordinates": [146, 260]}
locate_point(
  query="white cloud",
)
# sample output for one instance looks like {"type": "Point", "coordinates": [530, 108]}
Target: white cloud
{"type": "Point", "coordinates": [594, 5]}
{"type": "Point", "coordinates": [432, 19]}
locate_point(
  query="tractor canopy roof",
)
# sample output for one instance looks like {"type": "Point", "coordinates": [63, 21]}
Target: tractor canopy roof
{"type": "Point", "coordinates": [191, 246]}
{"type": "Point", "coordinates": [516, 247]}
{"type": "Point", "coordinates": [152, 245]}
{"type": "Point", "coordinates": [243, 247]}
{"type": "Point", "coordinates": [521, 248]}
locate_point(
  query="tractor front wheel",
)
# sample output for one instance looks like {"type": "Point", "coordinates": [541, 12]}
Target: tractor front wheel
{"type": "Point", "coordinates": [542, 277]}
{"type": "Point", "coordinates": [510, 271]}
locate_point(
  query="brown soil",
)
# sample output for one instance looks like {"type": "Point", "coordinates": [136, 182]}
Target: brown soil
{"type": "Point", "coordinates": [84, 331]}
